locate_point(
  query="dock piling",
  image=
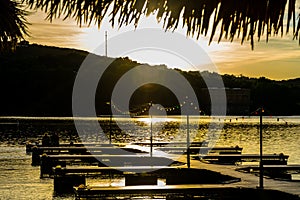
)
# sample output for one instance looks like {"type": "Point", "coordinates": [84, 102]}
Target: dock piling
{"type": "Point", "coordinates": [35, 158]}
{"type": "Point", "coordinates": [261, 171]}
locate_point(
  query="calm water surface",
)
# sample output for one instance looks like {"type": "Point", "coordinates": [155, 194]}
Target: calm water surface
{"type": "Point", "coordinates": [19, 180]}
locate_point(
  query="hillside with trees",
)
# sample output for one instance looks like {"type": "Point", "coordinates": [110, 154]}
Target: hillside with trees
{"type": "Point", "coordinates": [38, 81]}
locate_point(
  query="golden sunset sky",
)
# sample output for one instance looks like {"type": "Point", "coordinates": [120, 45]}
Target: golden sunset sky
{"type": "Point", "coordinates": [278, 59]}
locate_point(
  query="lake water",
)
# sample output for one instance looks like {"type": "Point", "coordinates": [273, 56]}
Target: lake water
{"type": "Point", "coordinates": [19, 180]}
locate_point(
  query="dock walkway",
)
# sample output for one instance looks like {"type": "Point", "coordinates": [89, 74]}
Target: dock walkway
{"type": "Point", "coordinates": [108, 170]}
{"type": "Point", "coordinates": [234, 158]}
{"type": "Point", "coordinates": [160, 144]}
{"type": "Point", "coordinates": [249, 180]}
{"type": "Point", "coordinates": [202, 150]}
{"type": "Point", "coordinates": [86, 150]}
{"type": "Point", "coordinates": [183, 192]}
{"type": "Point", "coordinates": [286, 168]}
{"type": "Point", "coordinates": [50, 161]}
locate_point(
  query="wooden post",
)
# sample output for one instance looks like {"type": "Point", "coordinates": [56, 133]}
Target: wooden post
{"type": "Point", "coordinates": [188, 142]}
{"type": "Point", "coordinates": [105, 43]}
{"type": "Point", "coordinates": [261, 167]}
{"type": "Point", "coordinates": [110, 129]}
{"type": "Point", "coordinates": [151, 139]}
{"type": "Point", "coordinates": [35, 157]}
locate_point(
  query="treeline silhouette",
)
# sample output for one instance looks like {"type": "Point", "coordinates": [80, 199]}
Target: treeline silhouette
{"type": "Point", "coordinates": [38, 81]}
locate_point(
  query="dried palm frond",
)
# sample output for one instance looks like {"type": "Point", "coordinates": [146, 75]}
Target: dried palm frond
{"type": "Point", "coordinates": [13, 25]}
{"type": "Point", "coordinates": [231, 18]}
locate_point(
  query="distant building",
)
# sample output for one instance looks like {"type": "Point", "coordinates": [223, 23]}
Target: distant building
{"type": "Point", "coordinates": [237, 100]}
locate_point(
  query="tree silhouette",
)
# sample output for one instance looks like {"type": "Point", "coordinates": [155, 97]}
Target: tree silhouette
{"type": "Point", "coordinates": [231, 18]}
{"type": "Point", "coordinates": [234, 17]}
{"type": "Point", "coordinates": [13, 25]}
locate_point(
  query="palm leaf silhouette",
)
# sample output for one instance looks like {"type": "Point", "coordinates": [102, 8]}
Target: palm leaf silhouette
{"type": "Point", "coordinates": [233, 18]}
{"type": "Point", "coordinates": [13, 25]}
{"type": "Point", "coordinates": [229, 18]}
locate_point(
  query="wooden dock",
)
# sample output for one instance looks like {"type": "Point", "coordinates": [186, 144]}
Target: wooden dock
{"type": "Point", "coordinates": [249, 180]}
{"type": "Point", "coordinates": [283, 172]}
{"type": "Point", "coordinates": [202, 150]}
{"type": "Point", "coordinates": [140, 175]}
{"type": "Point", "coordinates": [286, 168]}
{"type": "Point", "coordinates": [246, 188]}
{"type": "Point", "coordinates": [87, 150]}
{"type": "Point", "coordinates": [234, 158]}
{"type": "Point", "coordinates": [50, 161]}
{"type": "Point", "coordinates": [82, 150]}
{"type": "Point", "coordinates": [108, 170]}
{"type": "Point", "coordinates": [122, 150]}
{"type": "Point", "coordinates": [160, 144]}
{"type": "Point", "coordinates": [109, 160]}
{"type": "Point", "coordinates": [66, 178]}
{"type": "Point", "coordinates": [30, 146]}
{"type": "Point", "coordinates": [99, 192]}
{"type": "Point", "coordinates": [190, 191]}
{"type": "Point", "coordinates": [136, 163]}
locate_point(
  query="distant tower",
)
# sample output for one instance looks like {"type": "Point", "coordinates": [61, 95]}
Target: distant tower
{"type": "Point", "coordinates": [106, 43]}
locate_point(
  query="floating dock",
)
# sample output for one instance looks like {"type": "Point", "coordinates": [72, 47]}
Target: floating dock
{"type": "Point", "coordinates": [30, 146]}
{"type": "Point", "coordinates": [202, 150]}
{"type": "Point", "coordinates": [283, 172]}
{"type": "Point", "coordinates": [50, 161]}
{"type": "Point", "coordinates": [86, 150]}
{"type": "Point", "coordinates": [190, 191]}
{"type": "Point", "coordinates": [108, 170]}
{"type": "Point", "coordinates": [142, 163]}
{"type": "Point", "coordinates": [246, 188]}
{"type": "Point", "coordinates": [144, 175]}
{"type": "Point", "coordinates": [159, 144]}
{"type": "Point", "coordinates": [249, 180]}
{"type": "Point", "coordinates": [287, 168]}
{"type": "Point", "coordinates": [234, 158]}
